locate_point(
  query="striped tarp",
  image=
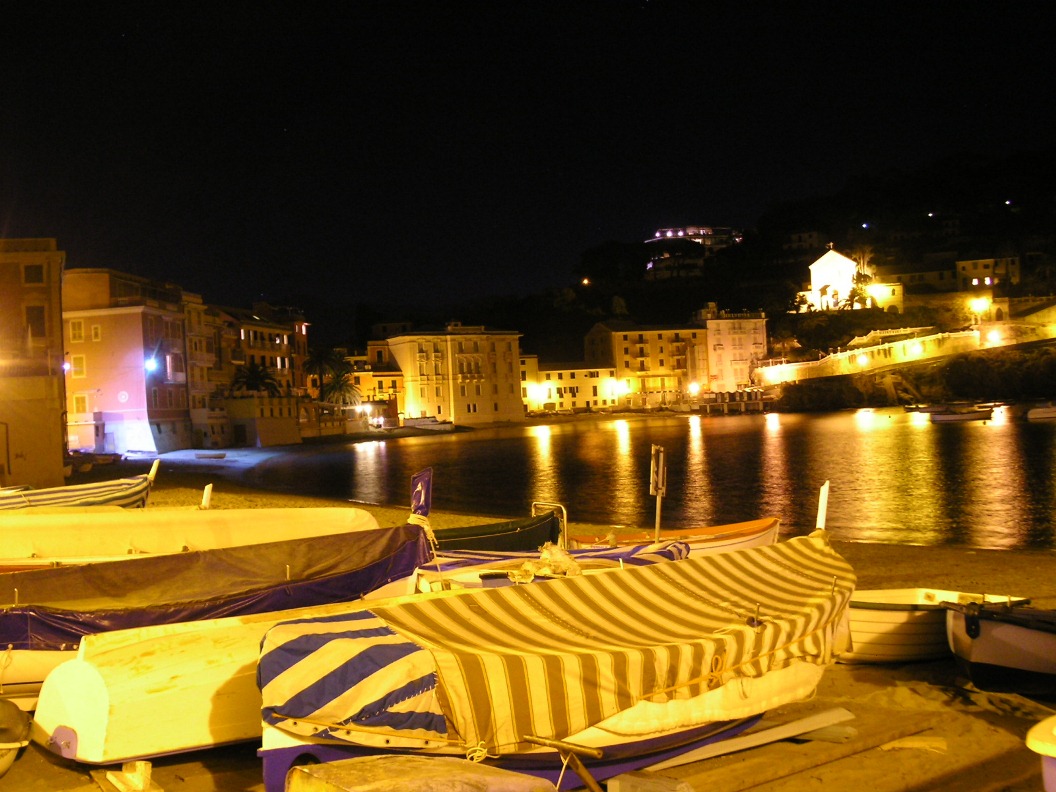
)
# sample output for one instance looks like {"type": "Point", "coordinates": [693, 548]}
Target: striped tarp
{"type": "Point", "coordinates": [127, 492]}
{"type": "Point", "coordinates": [488, 667]}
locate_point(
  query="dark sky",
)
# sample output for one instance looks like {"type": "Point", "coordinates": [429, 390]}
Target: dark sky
{"type": "Point", "coordinates": [442, 149]}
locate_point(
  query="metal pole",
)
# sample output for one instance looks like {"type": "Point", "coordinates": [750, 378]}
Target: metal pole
{"type": "Point", "coordinates": [657, 484]}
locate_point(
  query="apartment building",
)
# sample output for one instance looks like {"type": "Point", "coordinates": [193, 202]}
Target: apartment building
{"type": "Point", "coordinates": [657, 366]}
{"type": "Point", "coordinates": [126, 388]}
{"type": "Point", "coordinates": [32, 396]}
{"type": "Point", "coordinates": [463, 374]}
{"type": "Point", "coordinates": [567, 387]}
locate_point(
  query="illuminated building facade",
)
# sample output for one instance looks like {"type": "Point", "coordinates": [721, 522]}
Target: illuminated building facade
{"type": "Point", "coordinates": [32, 400]}
{"type": "Point", "coordinates": [126, 388]}
{"type": "Point", "coordinates": [832, 281]}
{"type": "Point", "coordinates": [567, 387]}
{"type": "Point", "coordinates": [682, 252]}
{"type": "Point", "coordinates": [463, 374]}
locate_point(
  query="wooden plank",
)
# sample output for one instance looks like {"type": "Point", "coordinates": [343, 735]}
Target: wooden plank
{"type": "Point", "coordinates": [753, 739]}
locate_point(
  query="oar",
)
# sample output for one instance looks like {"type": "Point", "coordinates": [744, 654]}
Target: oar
{"type": "Point", "coordinates": [823, 505]}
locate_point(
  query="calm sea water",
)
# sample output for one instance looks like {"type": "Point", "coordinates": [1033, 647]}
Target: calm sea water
{"type": "Point", "coordinates": [894, 476]}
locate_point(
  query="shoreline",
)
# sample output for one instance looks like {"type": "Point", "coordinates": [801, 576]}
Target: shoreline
{"type": "Point", "coordinates": [916, 725]}
{"type": "Point", "coordinates": [182, 478]}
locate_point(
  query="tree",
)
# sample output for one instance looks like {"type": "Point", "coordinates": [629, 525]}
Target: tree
{"type": "Point", "coordinates": [255, 378]}
{"type": "Point", "coordinates": [341, 388]}
{"type": "Point", "coordinates": [323, 362]}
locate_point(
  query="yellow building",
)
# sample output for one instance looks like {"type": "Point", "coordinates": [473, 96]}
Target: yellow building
{"type": "Point", "coordinates": [462, 374]}
{"type": "Point", "coordinates": [32, 400]}
{"type": "Point", "coordinates": [567, 387]}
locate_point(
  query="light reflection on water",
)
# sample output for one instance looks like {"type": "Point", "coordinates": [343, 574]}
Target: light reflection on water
{"type": "Point", "coordinates": [894, 476]}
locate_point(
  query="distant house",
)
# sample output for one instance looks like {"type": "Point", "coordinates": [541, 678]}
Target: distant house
{"type": "Point", "coordinates": [832, 282]}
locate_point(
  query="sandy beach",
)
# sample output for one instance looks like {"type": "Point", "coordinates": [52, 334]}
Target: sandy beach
{"type": "Point", "coordinates": [914, 727]}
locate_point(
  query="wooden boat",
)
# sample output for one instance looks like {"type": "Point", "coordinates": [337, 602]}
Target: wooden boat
{"type": "Point", "coordinates": [702, 541]}
{"type": "Point", "coordinates": [45, 613]}
{"type": "Point", "coordinates": [48, 537]}
{"type": "Point", "coordinates": [131, 492]}
{"type": "Point", "coordinates": [1041, 739]}
{"type": "Point", "coordinates": [956, 414]}
{"type": "Point", "coordinates": [476, 568]}
{"type": "Point", "coordinates": [200, 677]}
{"type": "Point", "coordinates": [902, 625]}
{"type": "Point", "coordinates": [1005, 648]}
{"type": "Point", "coordinates": [527, 534]}
{"type": "Point", "coordinates": [635, 664]}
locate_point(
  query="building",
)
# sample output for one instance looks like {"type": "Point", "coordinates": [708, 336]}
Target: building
{"type": "Point", "coordinates": [463, 374]}
{"type": "Point", "coordinates": [567, 387]}
{"type": "Point", "coordinates": [32, 397]}
{"type": "Point", "coordinates": [683, 252]}
{"type": "Point", "coordinates": [126, 388]}
{"type": "Point", "coordinates": [833, 285]}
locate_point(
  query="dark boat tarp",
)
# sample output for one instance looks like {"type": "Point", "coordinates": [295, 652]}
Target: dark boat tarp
{"type": "Point", "coordinates": [52, 608]}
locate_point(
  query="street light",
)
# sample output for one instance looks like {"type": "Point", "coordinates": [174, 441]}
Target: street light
{"type": "Point", "coordinates": [979, 306]}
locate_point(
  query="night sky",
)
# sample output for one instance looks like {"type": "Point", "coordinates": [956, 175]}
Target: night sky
{"type": "Point", "coordinates": [442, 151]}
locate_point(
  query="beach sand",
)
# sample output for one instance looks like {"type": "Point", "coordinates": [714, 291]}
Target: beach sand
{"type": "Point", "coordinates": [915, 726]}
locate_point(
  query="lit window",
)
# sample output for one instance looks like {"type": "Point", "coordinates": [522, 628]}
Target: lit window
{"type": "Point", "coordinates": [77, 366]}
{"type": "Point", "coordinates": [76, 331]}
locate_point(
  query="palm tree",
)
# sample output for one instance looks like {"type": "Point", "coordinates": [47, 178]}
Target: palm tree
{"type": "Point", "coordinates": [341, 389]}
{"type": "Point", "coordinates": [255, 378]}
{"type": "Point", "coordinates": [323, 363]}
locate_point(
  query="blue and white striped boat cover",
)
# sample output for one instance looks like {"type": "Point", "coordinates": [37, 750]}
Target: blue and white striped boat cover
{"type": "Point", "coordinates": [127, 492]}
{"type": "Point", "coordinates": [488, 666]}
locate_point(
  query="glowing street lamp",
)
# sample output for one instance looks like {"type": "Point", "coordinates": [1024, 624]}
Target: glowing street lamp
{"type": "Point", "coordinates": [979, 306]}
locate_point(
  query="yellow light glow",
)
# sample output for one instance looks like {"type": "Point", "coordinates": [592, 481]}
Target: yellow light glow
{"type": "Point", "coordinates": [863, 359]}
{"type": "Point", "coordinates": [916, 350]}
{"type": "Point", "coordinates": [979, 305]}
{"type": "Point", "coordinates": [694, 388]}
{"type": "Point", "coordinates": [994, 337]}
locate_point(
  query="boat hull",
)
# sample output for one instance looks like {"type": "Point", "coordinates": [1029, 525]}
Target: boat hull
{"type": "Point", "coordinates": [131, 492]}
{"type": "Point", "coordinates": [1005, 649]}
{"type": "Point", "coordinates": [701, 541]}
{"type": "Point", "coordinates": [902, 625]}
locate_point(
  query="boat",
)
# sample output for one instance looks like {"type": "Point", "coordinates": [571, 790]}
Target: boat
{"type": "Point", "coordinates": [701, 541]}
{"type": "Point", "coordinates": [526, 534]}
{"type": "Point", "coordinates": [477, 568]}
{"type": "Point", "coordinates": [955, 414]}
{"type": "Point", "coordinates": [635, 665]}
{"type": "Point", "coordinates": [42, 537]}
{"type": "Point", "coordinates": [200, 676]}
{"type": "Point", "coordinates": [131, 492]}
{"type": "Point", "coordinates": [1041, 739]}
{"type": "Point", "coordinates": [1004, 647]}
{"type": "Point", "coordinates": [45, 613]}
{"type": "Point", "coordinates": [903, 625]}
{"type": "Point", "coordinates": [1042, 413]}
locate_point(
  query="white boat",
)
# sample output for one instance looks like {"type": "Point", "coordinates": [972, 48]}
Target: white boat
{"type": "Point", "coordinates": [209, 664]}
{"type": "Point", "coordinates": [131, 492]}
{"type": "Point", "coordinates": [45, 537]}
{"type": "Point", "coordinates": [46, 613]}
{"type": "Point", "coordinates": [1042, 413]}
{"type": "Point", "coordinates": [1005, 648]}
{"type": "Point", "coordinates": [902, 625]}
{"type": "Point", "coordinates": [957, 414]}
{"type": "Point", "coordinates": [617, 668]}
{"type": "Point", "coordinates": [200, 678]}
{"type": "Point", "coordinates": [701, 540]}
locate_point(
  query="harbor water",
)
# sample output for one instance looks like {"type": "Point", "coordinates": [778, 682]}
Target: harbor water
{"type": "Point", "coordinates": [894, 476]}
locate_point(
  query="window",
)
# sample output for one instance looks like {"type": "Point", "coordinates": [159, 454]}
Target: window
{"type": "Point", "coordinates": [97, 332]}
{"type": "Point", "coordinates": [76, 331]}
{"type": "Point", "coordinates": [77, 366]}
{"type": "Point", "coordinates": [80, 402]}
{"type": "Point", "coordinates": [33, 273]}
{"type": "Point", "coordinates": [35, 321]}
